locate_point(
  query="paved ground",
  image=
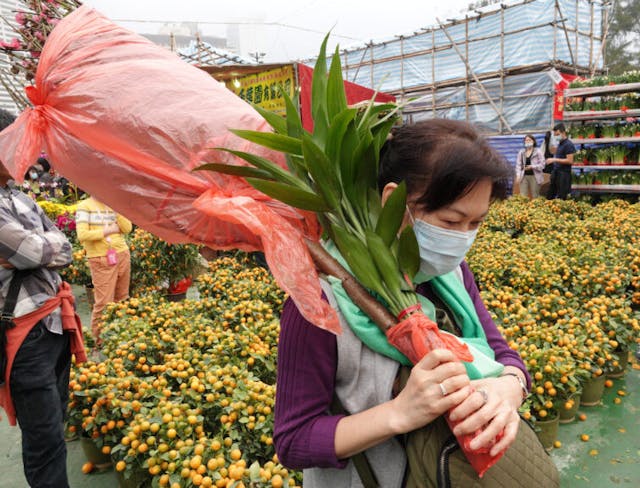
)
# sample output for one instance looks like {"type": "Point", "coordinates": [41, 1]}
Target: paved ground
{"type": "Point", "coordinates": [611, 458]}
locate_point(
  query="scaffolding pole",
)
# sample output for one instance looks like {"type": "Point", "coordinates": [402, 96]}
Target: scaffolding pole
{"type": "Point", "coordinates": [433, 73]}
{"type": "Point", "coordinates": [603, 44]}
{"type": "Point", "coordinates": [566, 35]}
{"type": "Point", "coordinates": [480, 85]}
{"type": "Point", "coordinates": [502, 64]}
{"type": "Point", "coordinates": [467, 91]}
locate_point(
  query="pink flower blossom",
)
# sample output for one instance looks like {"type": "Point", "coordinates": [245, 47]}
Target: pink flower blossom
{"type": "Point", "coordinates": [20, 18]}
{"type": "Point", "coordinates": [14, 44]}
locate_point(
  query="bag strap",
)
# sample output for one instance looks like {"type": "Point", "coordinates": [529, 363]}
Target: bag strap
{"type": "Point", "coordinates": [442, 473]}
{"type": "Point", "coordinates": [11, 300]}
{"type": "Point", "coordinates": [360, 461]}
{"type": "Point", "coordinates": [6, 318]}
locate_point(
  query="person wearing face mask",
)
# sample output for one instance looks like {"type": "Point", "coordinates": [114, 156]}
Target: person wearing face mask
{"type": "Point", "coordinates": [560, 183]}
{"type": "Point", "coordinates": [32, 180]}
{"type": "Point", "coordinates": [529, 165]}
{"type": "Point", "coordinates": [340, 397]}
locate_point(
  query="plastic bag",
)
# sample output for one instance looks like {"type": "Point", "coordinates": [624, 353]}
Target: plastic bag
{"type": "Point", "coordinates": [127, 121]}
{"type": "Point", "coordinates": [416, 336]}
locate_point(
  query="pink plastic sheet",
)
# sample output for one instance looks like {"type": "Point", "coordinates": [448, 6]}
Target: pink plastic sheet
{"type": "Point", "coordinates": [127, 121]}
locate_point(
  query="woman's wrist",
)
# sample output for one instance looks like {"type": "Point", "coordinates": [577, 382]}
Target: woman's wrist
{"type": "Point", "coordinates": [517, 378]}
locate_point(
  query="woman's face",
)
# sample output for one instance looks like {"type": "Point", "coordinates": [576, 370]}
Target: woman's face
{"type": "Point", "coordinates": [528, 141]}
{"type": "Point", "coordinates": [464, 214]}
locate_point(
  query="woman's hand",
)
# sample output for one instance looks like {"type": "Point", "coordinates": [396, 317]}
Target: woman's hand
{"type": "Point", "coordinates": [437, 383]}
{"type": "Point", "coordinates": [499, 412]}
{"type": "Point", "coordinates": [111, 228]}
{"type": "Point", "coordinates": [6, 264]}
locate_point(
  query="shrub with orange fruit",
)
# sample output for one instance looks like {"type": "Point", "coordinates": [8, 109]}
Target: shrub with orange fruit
{"type": "Point", "coordinates": [186, 394]}
{"type": "Point", "coordinates": [560, 280]}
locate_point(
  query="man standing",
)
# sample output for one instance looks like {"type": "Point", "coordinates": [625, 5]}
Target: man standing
{"type": "Point", "coordinates": [560, 184]}
{"type": "Point", "coordinates": [35, 353]}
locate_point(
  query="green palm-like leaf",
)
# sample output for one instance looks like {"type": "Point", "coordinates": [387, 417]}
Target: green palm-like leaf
{"type": "Point", "coordinates": [336, 135]}
{"type": "Point", "coordinates": [392, 214]}
{"type": "Point", "coordinates": [231, 169]}
{"type": "Point", "coordinates": [358, 258]}
{"type": "Point", "coordinates": [290, 195]}
{"type": "Point", "coordinates": [408, 252]}
{"type": "Point", "coordinates": [319, 103]}
{"type": "Point", "coordinates": [275, 120]}
{"type": "Point", "coordinates": [336, 97]}
{"type": "Point", "coordinates": [385, 263]}
{"type": "Point", "coordinates": [272, 168]}
{"type": "Point", "coordinates": [277, 142]}
{"type": "Point", "coordinates": [322, 172]}
{"type": "Point", "coordinates": [293, 122]}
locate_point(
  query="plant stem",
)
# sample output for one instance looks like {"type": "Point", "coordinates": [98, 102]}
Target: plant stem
{"type": "Point", "coordinates": [360, 296]}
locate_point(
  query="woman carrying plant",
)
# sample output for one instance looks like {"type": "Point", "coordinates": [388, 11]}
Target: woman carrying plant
{"type": "Point", "coordinates": [101, 232]}
{"type": "Point", "coordinates": [530, 164]}
{"type": "Point", "coordinates": [452, 176]}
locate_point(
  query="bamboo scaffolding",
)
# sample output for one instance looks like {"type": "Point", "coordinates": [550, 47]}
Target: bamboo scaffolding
{"type": "Point", "coordinates": [418, 47]}
{"type": "Point", "coordinates": [480, 85]}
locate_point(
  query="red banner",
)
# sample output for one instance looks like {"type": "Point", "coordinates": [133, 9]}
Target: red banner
{"type": "Point", "coordinates": [558, 99]}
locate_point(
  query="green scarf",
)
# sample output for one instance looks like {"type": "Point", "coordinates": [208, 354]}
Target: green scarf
{"type": "Point", "coordinates": [452, 292]}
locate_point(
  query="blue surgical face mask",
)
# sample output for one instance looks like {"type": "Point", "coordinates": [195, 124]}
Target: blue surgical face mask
{"type": "Point", "coordinates": [441, 250]}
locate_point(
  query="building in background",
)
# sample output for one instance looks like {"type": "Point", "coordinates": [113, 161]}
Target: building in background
{"type": "Point", "coordinates": [491, 67]}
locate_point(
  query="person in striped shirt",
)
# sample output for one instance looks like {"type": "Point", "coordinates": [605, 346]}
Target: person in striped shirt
{"type": "Point", "coordinates": [36, 366]}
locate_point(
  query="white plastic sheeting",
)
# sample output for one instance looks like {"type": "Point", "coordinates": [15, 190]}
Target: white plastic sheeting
{"type": "Point", "coordinates": [531, 46]}
{"type": "Point", "coordinates": [527, 105]}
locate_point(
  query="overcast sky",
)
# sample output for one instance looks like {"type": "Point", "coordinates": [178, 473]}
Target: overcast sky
{"type": "Point", "coordinates": [285, 29]}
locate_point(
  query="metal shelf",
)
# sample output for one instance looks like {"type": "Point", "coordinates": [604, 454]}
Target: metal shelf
{"type": "Point", "coordinates": [607, 140]}
{"type": "Point", "coordinates": [600, 114]}
{"type": "Point", "coordinates": [605, 166]}
{"type": "Point", "coordinates": [607, 188]}
{"type": "Point", "coordinates": [601, 90]}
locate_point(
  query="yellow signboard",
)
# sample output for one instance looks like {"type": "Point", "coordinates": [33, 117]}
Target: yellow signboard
{"type": "Point", "coordinates": [262, 88]}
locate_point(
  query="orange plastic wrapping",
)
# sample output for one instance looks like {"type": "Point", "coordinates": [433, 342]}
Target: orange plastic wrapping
{"type": "Point", "coordinates": [416, 336]}
{"type": "Point", "coordinates": [127, 121]}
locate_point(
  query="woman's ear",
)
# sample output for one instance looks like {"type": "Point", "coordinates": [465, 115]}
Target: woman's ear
{"type": "Point", "coordinates": [387, 191]}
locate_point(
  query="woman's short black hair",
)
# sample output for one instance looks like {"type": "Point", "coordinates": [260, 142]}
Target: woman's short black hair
{"type": "Point", "coordinates": [44, 163]}
{"type": "Point", "coordinates": [441, 160]}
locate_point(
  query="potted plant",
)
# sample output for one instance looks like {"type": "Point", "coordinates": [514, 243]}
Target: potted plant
{"type": "Point", "coordinates": [156, 264]}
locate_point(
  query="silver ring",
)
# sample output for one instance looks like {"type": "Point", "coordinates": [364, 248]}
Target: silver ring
{"type": "Point", "coordinates": [485, 396]}
{"type": "Point", "coordinates": [442, 389]}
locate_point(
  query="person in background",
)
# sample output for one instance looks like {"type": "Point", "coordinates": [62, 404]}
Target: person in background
{"type": "Point", "coordinates": [101, 232]}
{"type": "Point", "coordinates": [35, 340]}
{"type": "Point", "coordinates": [529, 165]}
{"type": "Point", "coordinates": [547, 149]}
{"type": "Point", "coordinates": [560, 184]}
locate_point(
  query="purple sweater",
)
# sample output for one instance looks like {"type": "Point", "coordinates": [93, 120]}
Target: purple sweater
{"type": "Point", "coordinates": [304, 431]}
